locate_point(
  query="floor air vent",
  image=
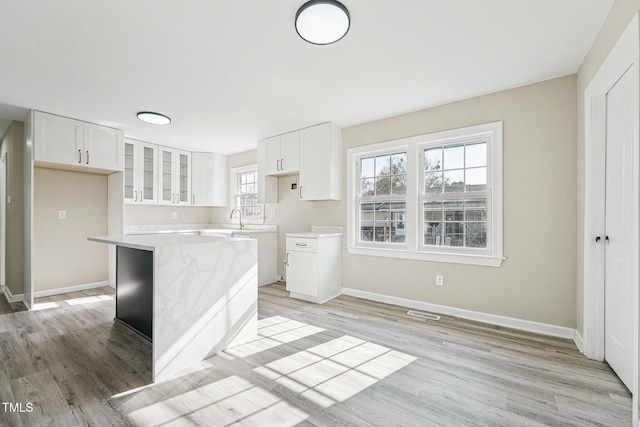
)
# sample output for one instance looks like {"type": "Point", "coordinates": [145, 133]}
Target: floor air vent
{"type": "Point", "coordinates": [423, 315]}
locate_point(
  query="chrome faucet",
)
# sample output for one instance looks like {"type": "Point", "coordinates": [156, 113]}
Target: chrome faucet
{"type": "Point", "coordinates": [240, 216]}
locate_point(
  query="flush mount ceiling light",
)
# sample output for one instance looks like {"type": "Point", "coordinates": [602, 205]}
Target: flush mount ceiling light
{"type": "Point", "coordinates": [153, 118]}
{"type": "Point", "coordinates": [322, 21]}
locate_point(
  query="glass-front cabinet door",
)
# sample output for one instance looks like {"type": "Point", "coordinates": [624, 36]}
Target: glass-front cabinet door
{"type": "Point", "coordinates": [175, 177]}
{"type": "Point", "coordinates": [149, 173]}
{"type": "Point", "coordinates": [166, 177]}
{"type": "Point", "coordinates": [184, 178]}
{"type": "Point", "coordinates": [140, 172]}
{"type": "Point", "coordinates": [129, 172]}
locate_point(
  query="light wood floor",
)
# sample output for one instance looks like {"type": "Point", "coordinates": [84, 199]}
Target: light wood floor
{"type": "Point", "coordinates": [348, 362]}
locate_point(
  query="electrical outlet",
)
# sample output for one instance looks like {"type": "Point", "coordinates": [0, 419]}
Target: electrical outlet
{"type": "Point", "coordinates": [62, 214]}
{"type": "Point", "coordinates": [439, 280]}
{"type": "Point", "coordinates": [174, 215]}
{"type": "Point", "coordinates": [272, 213]}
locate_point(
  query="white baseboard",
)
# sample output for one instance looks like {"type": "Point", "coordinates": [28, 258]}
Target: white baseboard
{"type": "Point", "coordinates": [68, 289]}
{"type": "Point", "coordinates": [492, 319]}
{"type": "Point", "coordinates": [12, 298]}
{"type": "Point", "coordinates": [577, 338]}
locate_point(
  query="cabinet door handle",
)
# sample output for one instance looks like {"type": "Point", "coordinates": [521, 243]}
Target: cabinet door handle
{"type": "Point", "coordinates": [87, 156]}
{"type": "Point", "coordinates": [281, 164]}
{"type": "Point", "coordinates": [300, 244]}
{"type": "Point", "coordinates": [141, 196]}
{"type": "Point", "coordinates": [278, 165]}
{"type": "Point", "coordinates": [135, 196]}
{"type": "Point", "coordinates": [79, 156]}
{"type": "Point", "coordinates": [193, 199]}
{"type": "Point", "coordinates": [301, 192]}
{"type": "Point", "coordinates": [287, 260]}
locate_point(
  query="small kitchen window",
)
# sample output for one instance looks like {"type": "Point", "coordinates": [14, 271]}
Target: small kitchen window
{"type": "Point", "coordinates": [435, 197]}
{"type": "Point", "coordinates": [244, 193]}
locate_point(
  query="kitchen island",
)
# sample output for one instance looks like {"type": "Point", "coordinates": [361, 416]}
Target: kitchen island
{"type": "Point", "coordinates": [190, 295]}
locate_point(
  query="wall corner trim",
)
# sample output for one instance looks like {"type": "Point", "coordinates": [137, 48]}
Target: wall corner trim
{"type": "Point", "coordinates": [577, 338]}
{"type": "Point", "coordinates": [492, 319]}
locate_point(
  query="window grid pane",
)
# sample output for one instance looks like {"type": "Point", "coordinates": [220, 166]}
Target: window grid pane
{"type": "Point", "coordinates": [383, 175]}
{"type": "Point", "coordinates": [455, 168]}
{"type": "Point", "coordinates": [455, 222]}
{"type": "Point", "coordinates": [247, 194]}
{"type": "Point", "coordinates": [383, 178]}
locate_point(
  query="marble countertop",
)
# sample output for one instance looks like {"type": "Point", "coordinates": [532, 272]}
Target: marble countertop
{"type": "Point", "coordinates": [313, 235]}
{"type": "Point", "coordinates": [150, 242]}
{"type": "Point", "coordinates": [197, 228]}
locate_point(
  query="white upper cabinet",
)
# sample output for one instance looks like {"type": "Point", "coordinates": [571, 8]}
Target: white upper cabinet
{"type": "Point", "coordinates": [208, 179]}
{"type": "Point", "coordinates": [320, 163]}
{"type": "Point", "coordinates": [282, 154]}
{"type": "Point", "coordinates": [140, 172]}
{"type": "Point", "coordinates": [174, 168]}
{"type": "Point", "coordinates": [63, 141]}
{"type": "Point", "coordinates": [103, 147]}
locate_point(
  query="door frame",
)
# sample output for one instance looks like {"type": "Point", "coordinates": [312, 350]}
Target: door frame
{"type": "Point", "coordinates": [3, 221]}
{"type": "Point", "coordinates": [623, 58]}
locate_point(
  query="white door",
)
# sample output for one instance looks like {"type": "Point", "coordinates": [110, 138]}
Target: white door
{"type": "Point", "coordinates": [618, 241]}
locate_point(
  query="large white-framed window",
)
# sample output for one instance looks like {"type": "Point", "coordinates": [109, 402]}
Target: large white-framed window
{"type": "Point", "coordinates": [244, 193]}
{"type": "Point", "coordinates": [435, 197]}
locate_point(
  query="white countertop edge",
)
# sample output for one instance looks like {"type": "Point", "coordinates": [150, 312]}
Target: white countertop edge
{"type": "Point", "coordinates": [193, 228]}
{"type": "Point", "coordinates": [150, 242]}
{"type": "Point", "coordinates": [312, 235]}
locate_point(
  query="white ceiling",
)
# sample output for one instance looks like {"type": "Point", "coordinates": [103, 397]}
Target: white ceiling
{"type": "Point", "coordinates": [231, 72]}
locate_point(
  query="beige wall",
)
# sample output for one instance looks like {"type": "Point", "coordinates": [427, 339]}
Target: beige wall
{"type": "Point", "coordinates": [538, 280]}
{"type": "Point", "coordinates": [618, 19]}
{"type": "Point", "coordinates": [62, 255]}
{"type": "Point", "coordinates": [12, 144]}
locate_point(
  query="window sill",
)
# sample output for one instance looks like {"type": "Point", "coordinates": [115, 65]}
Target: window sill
{"type": "Point", "coordinates": [469, 259]}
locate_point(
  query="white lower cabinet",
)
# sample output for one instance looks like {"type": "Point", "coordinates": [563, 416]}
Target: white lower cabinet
{"type": "Point", "coordinates": [313, 267]}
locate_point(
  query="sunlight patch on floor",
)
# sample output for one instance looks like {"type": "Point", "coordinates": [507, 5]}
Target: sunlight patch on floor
{"type": "Point", "coordinates": [88, 300]}
{"type": "Point", "coordinates": [232, 401]}
{"type": "Point", "coordinates": [272, 332]}
{"type": "Point", "coordinates": [336, 370]}
{"type": "Point", "coordinates": [44, 306]}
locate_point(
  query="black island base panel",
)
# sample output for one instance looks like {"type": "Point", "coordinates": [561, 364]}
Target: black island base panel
{"type": "Point", "coordinates": [134, 290]}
